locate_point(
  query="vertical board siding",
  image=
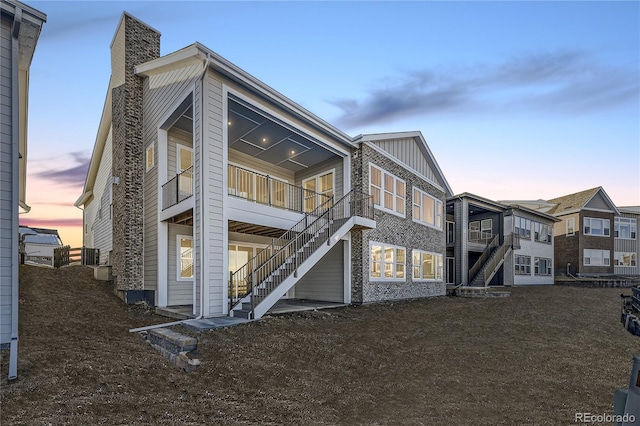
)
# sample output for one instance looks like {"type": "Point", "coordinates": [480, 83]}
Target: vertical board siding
{"type": "Point", "coordinates": [325, 281]}
{"type": "Point", "coordinates": [214, 228]}
{"type": "Point", "coordinates": [161, 93]}
{"type": "Point", "coordinates": [408, 151]}
{"type": "Point", "coordinates": [179, 292]}
{"type": "Point", "coordinates": [6, 186]}
{"type": "Point", "coordinates": [630, 246]}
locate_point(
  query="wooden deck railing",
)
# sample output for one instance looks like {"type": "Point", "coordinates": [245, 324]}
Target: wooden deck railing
{"type": "Point", "coordinates": [65, 255]}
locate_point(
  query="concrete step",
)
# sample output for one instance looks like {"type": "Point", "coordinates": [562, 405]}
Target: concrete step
{"type": "Point", "coordinates": [241, 313]}
{"type": "Point", "coordinates": [178, 348]}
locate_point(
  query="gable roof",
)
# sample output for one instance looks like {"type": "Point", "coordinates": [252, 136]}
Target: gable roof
{"type": "Point", "coordinates": [437, 177]}
{"type": "Point", "coordinates": [578, 201]}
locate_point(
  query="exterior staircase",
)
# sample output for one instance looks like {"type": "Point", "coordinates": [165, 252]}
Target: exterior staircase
{"type": "Point", "coordinates": [261, 282]}
{"type": "Point", "coordinates": [489, 263]}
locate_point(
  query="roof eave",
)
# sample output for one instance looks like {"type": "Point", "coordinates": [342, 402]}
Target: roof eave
{"type": "Point", "coordinates": [234, 73]}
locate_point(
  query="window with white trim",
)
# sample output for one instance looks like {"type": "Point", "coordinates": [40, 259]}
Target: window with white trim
{"type": "Point", "coordinates": [315, 187]}
{"type": "Point", "coordinates": [388, 191]}
{"type": "Point", "coordinates": [427, 209]}
{"type": "Point", "coordinates": [571, 226]}
{"type": "Point", "coordinates": [184, 257]}
{"type": "Point", "coordinates": [596, 226]}
{"type": "Point", "coordinates": [387, 262]}
{"type": "Point", "coordinates": [150, 160]}
{"type": "Point", "coordinates": [628, 259]}
{"type": "Point", "coordinates": [625, 228]}
{"type": "Point", "coordinates": [542, 266]}
{"type": "Point", "coordinates": [427, 266]}
{"type": "Point", "coordinates": [542, 233]}
{"type": "Point", "coordinates": [481, 230]}
{"type": "Point", "coordinates": [593, 257]}
{"type": "Point", "coordinates": [522, 265]}
{"type": "Point", "coordinates": [522, 227]}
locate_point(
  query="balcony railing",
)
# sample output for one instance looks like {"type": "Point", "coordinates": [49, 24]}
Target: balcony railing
{"type": "Point", "coordinates": [480, 237]}
{"type": "Point", "coordinates": [177, 189]}
{"type": "Point", "coordinates": [263, 189]}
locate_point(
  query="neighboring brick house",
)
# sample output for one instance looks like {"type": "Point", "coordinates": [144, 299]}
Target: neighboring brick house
{"type": "Point", "coordinates": [19, 33]}
{"type": "Point", "coordinates": [212, 191]}
{"type": "Point", "coordinates": [584, 238]}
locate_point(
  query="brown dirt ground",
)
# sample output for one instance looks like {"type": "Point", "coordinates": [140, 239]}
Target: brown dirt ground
{"type": "Point", "coordinates": [536, 357]}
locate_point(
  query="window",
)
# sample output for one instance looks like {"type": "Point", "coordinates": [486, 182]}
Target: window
{"type": "Point", "coordinates": [571, 226]}
{"type": "Point", "coordinates": [522, 227]}
{"type": "Point", "coordinates": [387, 190]}
{"type": "Point", "coordinates": [451, 233]}
{"type": "Point", "coordinates": [522, 265]}
{"type": "Point", "coordinates": [426, 266]}
{"type": "Point", "coordinates": [542, 266]}
{"type": "Point", "coordinates": [597, 257]}
{"type": "Point", "coordinates": [625, 227]}
{"type": "Point", "coordinates": [387, 262]}
{"type": "Point", "coordinates": [185, 257]}
{"type": "Point", "coordinates": [599, 227]}
{"type": "Point", "coordinates": [150, 158]}
{"type": "Point", "coordinates": [542, 233]}
{"type": "Point", "coordinates": [624, 259]}
{"type": "Point", "coordinates": [319, 184]}
{"type": "Point", "coordinates": [481, 230]}
{"type": "Point", "coordinates": [427, 210]}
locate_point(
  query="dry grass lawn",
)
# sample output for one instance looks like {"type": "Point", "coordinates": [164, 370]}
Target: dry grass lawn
{"type": "Point", "coordinates": [536, 357]}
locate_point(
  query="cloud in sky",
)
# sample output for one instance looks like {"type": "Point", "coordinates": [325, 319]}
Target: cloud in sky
{"type": "Point", "coordinates": [51, 223]}
{"type": "Point", "coordinates": [554, 82]}
{"type": "Point", "coordinates": [73, 175]}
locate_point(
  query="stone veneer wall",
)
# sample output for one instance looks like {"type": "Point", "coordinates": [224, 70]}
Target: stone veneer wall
{"type": "Point", "coordinates": [394, 230]}
{"type": "Point", "coordinates": [141, 44]}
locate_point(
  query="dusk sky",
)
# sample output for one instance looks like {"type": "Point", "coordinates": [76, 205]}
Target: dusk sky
{"type": "Point", "coordinates": [517, 100]}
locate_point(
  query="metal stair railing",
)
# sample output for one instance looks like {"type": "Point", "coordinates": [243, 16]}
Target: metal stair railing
{"type": "Point", "coordinates": [267, 270]}
{"type": "Point", "coordinates": [475, 269]}
{"type": "Point", "coordinates": [498, 258]}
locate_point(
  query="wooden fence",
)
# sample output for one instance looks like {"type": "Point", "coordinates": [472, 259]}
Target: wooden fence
{"type": "Point", "coordinates": [66, 255]}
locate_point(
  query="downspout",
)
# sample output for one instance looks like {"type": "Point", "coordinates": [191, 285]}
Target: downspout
{"type": "Point", "coordinates": [15, 189]}
{"type": "Point", "coordinates": [204, 73]}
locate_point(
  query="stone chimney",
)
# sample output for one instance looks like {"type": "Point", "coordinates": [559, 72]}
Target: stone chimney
{"type": "Point", "coordinates": [134, 43]}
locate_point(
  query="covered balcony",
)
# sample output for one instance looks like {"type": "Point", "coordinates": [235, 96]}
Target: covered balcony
{"type": "Point", "coordinates": [178, 189]}
{"type": "Point", "coordinates": [278, 171]}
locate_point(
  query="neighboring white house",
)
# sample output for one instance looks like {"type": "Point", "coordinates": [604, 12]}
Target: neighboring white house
{"type": "Point", "coordinates": [19, 34]}
{"type": "Point", "coordinates": [212, 190]}
{"type": "Point", "coordinates": [38, 245]}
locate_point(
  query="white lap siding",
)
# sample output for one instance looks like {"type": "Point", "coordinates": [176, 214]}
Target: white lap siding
{"type": "Point", "coordinates": [8, 228]}
{"type": "Point", "coordinates": [99, 224]}
{"type": "Point", "coordinates": [215, 228]}
{"type": "Point", "coordinates": [161, 93]}
{"type": "Point", "coordinates": [179, 292]}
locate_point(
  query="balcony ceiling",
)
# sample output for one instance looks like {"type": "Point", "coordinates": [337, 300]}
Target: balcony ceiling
{"type": "Point", "coordinates": [254, 134]}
